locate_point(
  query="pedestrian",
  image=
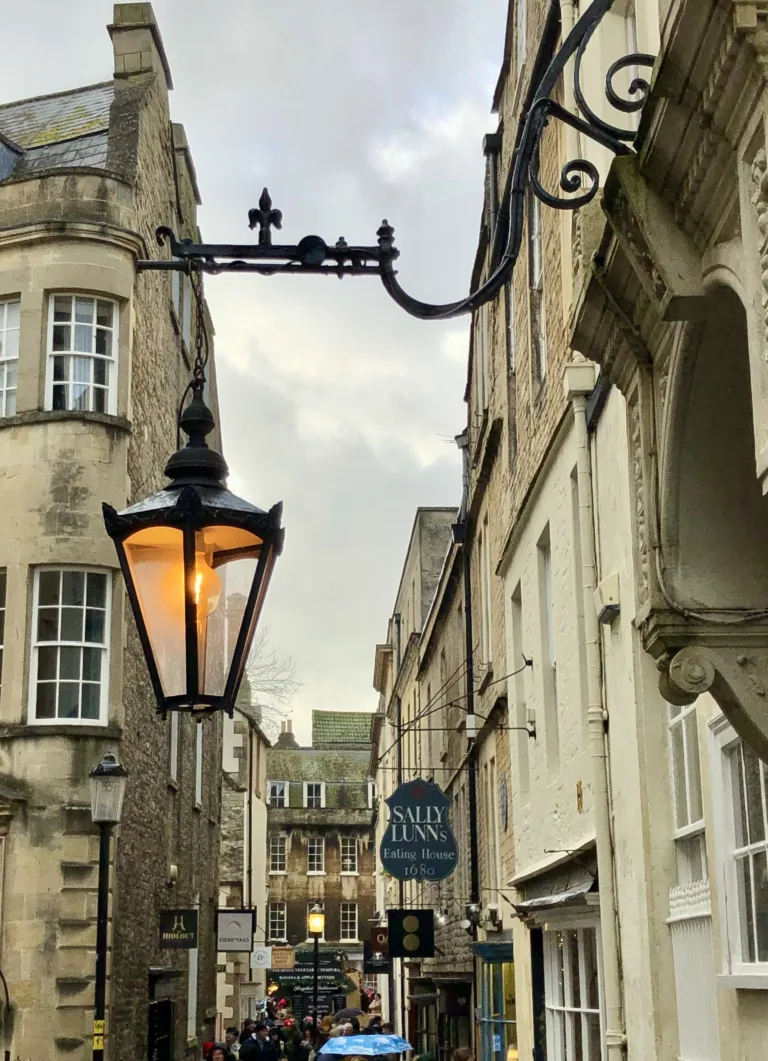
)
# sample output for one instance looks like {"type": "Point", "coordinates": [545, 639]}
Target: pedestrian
{"type": "Point", "coordinates": [305, 1051]}
{"type": "Point", "coordinates": [387, 1028]}
{"type": "Point", "coordinates": [463, 1053]}
{"type": "Point", "coordinates": [248, 1029]}
{"type": "Point", "coordinates": [259, 1047]}
{"type": "Point", "coordinates": [232, 1039]}
{"type": "Point", "coordinates": [219, 1052]}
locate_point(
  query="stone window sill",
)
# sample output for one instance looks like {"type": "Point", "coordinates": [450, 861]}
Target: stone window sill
{"type": "Point", "coordinates": [316, 873]}
{"type": "Point", "coordinates": [744, 981]}
{"type": "Point", "coordinates": [43, 416]}
{"type": "Point", "coordinates": [350, 873]}
{"type": "Point", "coordinates": [59, 729]}
{"type": "Point", "coordinates": [278, 873]}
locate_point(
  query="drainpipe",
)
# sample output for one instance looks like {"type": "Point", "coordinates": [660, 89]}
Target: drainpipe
{"type": "Point", "coordinates": [579, 382]}
{"type": "Point", "coordinates": [399, 759]}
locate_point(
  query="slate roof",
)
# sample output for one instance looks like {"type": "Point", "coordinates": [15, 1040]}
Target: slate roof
{"type": "Point", "coordinates": [61, 130]}
{"type": "Point", "coordinates": [341, 727]}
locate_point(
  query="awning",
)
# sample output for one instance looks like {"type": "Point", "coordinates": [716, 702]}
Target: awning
{"type": "Point", "coordinates": [555, 899]}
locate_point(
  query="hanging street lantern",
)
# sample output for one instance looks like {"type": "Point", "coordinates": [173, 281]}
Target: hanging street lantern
{"type": "Point", "coordinates": [197, 562]}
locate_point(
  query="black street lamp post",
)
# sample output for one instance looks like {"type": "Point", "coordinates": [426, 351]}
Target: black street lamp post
{"type": "Point", "coordinates": [108, 781]}
{"type": "Point", "coordinates": [317, 931]}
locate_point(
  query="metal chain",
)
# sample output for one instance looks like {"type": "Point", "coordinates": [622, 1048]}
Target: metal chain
{"type": "Point", "coordinates": [198, 369]}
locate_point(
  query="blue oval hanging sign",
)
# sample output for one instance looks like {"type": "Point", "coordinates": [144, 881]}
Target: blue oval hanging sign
{"type": "Point", "coordinates": [418, 843]}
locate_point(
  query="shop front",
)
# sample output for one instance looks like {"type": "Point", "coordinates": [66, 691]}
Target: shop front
{"type": "Point", "coordinates": [497, 1013]}
{"type": "Point", "coordinates": [454, 1016]}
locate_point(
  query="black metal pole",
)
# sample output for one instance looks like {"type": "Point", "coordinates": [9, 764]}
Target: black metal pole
{"type": "Point", "coordinates": [314, 986]}
{"type": "Point", "coordinates": [102, 914]}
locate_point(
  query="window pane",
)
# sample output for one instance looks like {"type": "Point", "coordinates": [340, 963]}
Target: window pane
{"type": "Point", "coordinates": [60, 397]}
{"type": "Point", "coordinates": [68, 699]}
{"type": "Point", "coordinates": [84, 338]}
{"type": "Point", "coordinates": [60, 365]}
{"type": "Point", "coordinates": [100, 372]}
{"type": "Point", "coordinates": [590, 989]}
{"type": "Point", "coordinates": [79, 397]}
{"type": "Point", "coordinates": [97, 590]}
{"type": "Point", "coordinates": [104, 312]}
{"type": "Point", "coordinates": [62, 307]}
{"type": "Point", "coordinates": [746, 915]}
{"type": "Point", "coordinates": [12, 311]}
{"type": "Point", "coordinates": [69, 663]}
{"type": "Point", "coordinates": [91, 696]}
{"type": "Point", "coordinates": [61, 334]}
{"type": "Point", "coordinates": [84, 310]}
{"type": "Point", "coordinates": [11, 344]}
{"type": "Point", "coordinates": [103, 342]}
{"type": "Point", "coordinates": [48, 592]}
{"type": "Point", "coordinates": [739, 807]}
{"type": "Point", "coordinates": [694, 772]}
{"type": "Point", "coordinates": [94, 627]}
{"type": "Point", "coordinates": [593, 1051]}
{"type": "Point", "coordinates": [46, 663]}
{"type": "Point", "coordinates": [73, 587]}
{"type": "Point", "coordinates": [81, 369]}
{"type": "Point", "coordinates": [45, 706]}
{"type": "Point", "coordinates": [71, 624]}
{"type": "Point", "coordinates": [760, 869]}
{"type": "Point", "coordinates": [99, 400]}
{"type": "Point", "coordinates": [48, 624]}
{"type": "Point", "coordinates": [678, 770]}
{"type": "Point", "coordinates": [10, 376]}
{"type": "Point", "coordinates": [91, 664]}
{"type": "Point", "coordinates": [572, 937]}
{"type": "Point", "coordinates": [10, 403]}
{"type": "Point", "coordinates": [755, 820]}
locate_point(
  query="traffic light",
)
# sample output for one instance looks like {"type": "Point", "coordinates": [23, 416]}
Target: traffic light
{"type": "Point", "coordinates": [411, 933]}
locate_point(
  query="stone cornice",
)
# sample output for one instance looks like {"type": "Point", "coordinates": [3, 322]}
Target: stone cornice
{"type": "Point", "coordinates": [55, 229]}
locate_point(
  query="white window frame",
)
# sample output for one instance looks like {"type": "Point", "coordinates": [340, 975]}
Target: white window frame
{"type": "Point", "coordinates": [6, 361]}
{"type": "Point", "coordinates": [113, 360]}
{"type": "Point", "coordinates": [736, 973]}
{"type": "Point", "coordinates": [311, 906]}
{"type": "Point", "coordinates": [199, 764]}
{"type": "Point", "coordinates": [311, 840]}
{"type": "Point", "coordinates": [548, 645]}
{"type": "Point", "coordinates": [173, 765]}
{"type": "Point", "coordinates": [480, 370]}
{"type": "Point", "coordinates": [350, 841]}
{"type": "Point", "coordinates": [281, 854]}
{"type": "Point", "coordinates": [280, 908]}
{"type": "Point", "coordinates": [284, 795]}
{"type": "Point", "coordinates": [688, 822]}
{"type": "Point", "coordinates": [35, 645]}
{"type": "Point", "coordinates": [486, 611]}
{"type": "Point", "coordinates": [554, 1005]}
{"type": "Point", "coordinates": [345, 938]}
{"type": "Point", "coordinates": [371, 793]}
{"type": "Point", "coordinates": [314, 784]}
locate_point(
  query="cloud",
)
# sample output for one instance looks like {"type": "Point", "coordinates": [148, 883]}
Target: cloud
{"type": "Point", "coordinates": [332, 398]}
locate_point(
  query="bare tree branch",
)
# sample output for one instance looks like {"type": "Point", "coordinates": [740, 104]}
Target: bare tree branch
{"type": "Point", "coordinates": [269, 683]}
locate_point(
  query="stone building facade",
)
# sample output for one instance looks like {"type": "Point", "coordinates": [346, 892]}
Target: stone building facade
{"type": "Point", "coordinates": [320, 840]}
{"type": "Point", "coordinates": [242, 876]}
{"type": "Point", "coordinates": [93, 360]}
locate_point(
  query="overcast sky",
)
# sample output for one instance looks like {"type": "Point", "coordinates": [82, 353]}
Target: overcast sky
{"type": "Point", "coordinates": [332, 398]}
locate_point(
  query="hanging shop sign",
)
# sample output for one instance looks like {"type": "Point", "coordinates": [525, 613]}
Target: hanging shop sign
{"type": "Point", "coordinates": [234, 930]}
{"type": "Point", "coordinates": [380, 938]}
{"type": "Point", "coordinates": [178, 929]}
{"type": "Point", "coordinates": [283, 958]}
{"type": "Point", "coordinates": [375, 961]}
{"type": "Point", "coordinates": [261, 958]}
{"type": "Point", "coordinates": [418, 843]}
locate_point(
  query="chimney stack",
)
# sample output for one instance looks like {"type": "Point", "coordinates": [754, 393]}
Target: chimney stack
{"type": "Point", "coordinates": [137, 44]}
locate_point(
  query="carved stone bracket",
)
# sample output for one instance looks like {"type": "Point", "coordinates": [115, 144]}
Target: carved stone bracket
{"type": "Point", "coordinates": [664, 259]}
{"type": "Point", "coordinates": [737, 679]}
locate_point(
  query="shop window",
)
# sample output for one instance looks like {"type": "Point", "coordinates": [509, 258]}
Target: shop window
{"type": "Point", "coordinates": [572, 994]}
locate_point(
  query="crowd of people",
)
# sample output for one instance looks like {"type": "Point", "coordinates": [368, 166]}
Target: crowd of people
{"type": "Point", "coordinates": [279, 1036]}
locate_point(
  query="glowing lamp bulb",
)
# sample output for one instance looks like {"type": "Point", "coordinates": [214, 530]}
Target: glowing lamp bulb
{"type": "Point", "coordinates": [206, 587]}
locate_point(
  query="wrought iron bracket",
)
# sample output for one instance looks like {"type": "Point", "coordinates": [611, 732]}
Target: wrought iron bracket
{"type": "Point", "coordinates": [579, 183]}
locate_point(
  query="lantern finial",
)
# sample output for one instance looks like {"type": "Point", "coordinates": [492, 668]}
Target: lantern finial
{"type": "Point", "coordinates": [196, 463]}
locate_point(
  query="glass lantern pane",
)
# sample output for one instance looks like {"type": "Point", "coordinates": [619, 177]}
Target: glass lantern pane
{"type": "Point", "coordinates": [232, 554]}
{"type": "Point", "coordinates": [156, 560]}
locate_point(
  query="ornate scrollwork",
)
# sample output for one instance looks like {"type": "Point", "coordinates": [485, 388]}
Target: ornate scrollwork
{"type": "Point", "coordinates": [579, 180]}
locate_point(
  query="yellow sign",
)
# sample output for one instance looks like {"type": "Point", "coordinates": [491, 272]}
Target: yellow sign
{"type": "Point", "coordinates": [283, 958]}
{"type": "Point", "coordinates": [98, 1027]}
{"type": "Point", "coordinates": [98, 1042]}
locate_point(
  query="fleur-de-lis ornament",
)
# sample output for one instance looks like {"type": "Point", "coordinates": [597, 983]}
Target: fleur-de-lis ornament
{"type": "Point", "coordinates": [265, 217]}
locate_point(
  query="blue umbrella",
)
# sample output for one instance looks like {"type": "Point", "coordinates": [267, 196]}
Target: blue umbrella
{"type": "Point", "coordinates": [365, 1045]}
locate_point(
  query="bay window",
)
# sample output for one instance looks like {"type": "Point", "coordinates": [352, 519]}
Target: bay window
{"type": "Point", "coordinates": [82, 354]}
{"type": "Point", "coordinates": [70, 638]}
{"type": "Point", "coordinates": [9, 355]}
